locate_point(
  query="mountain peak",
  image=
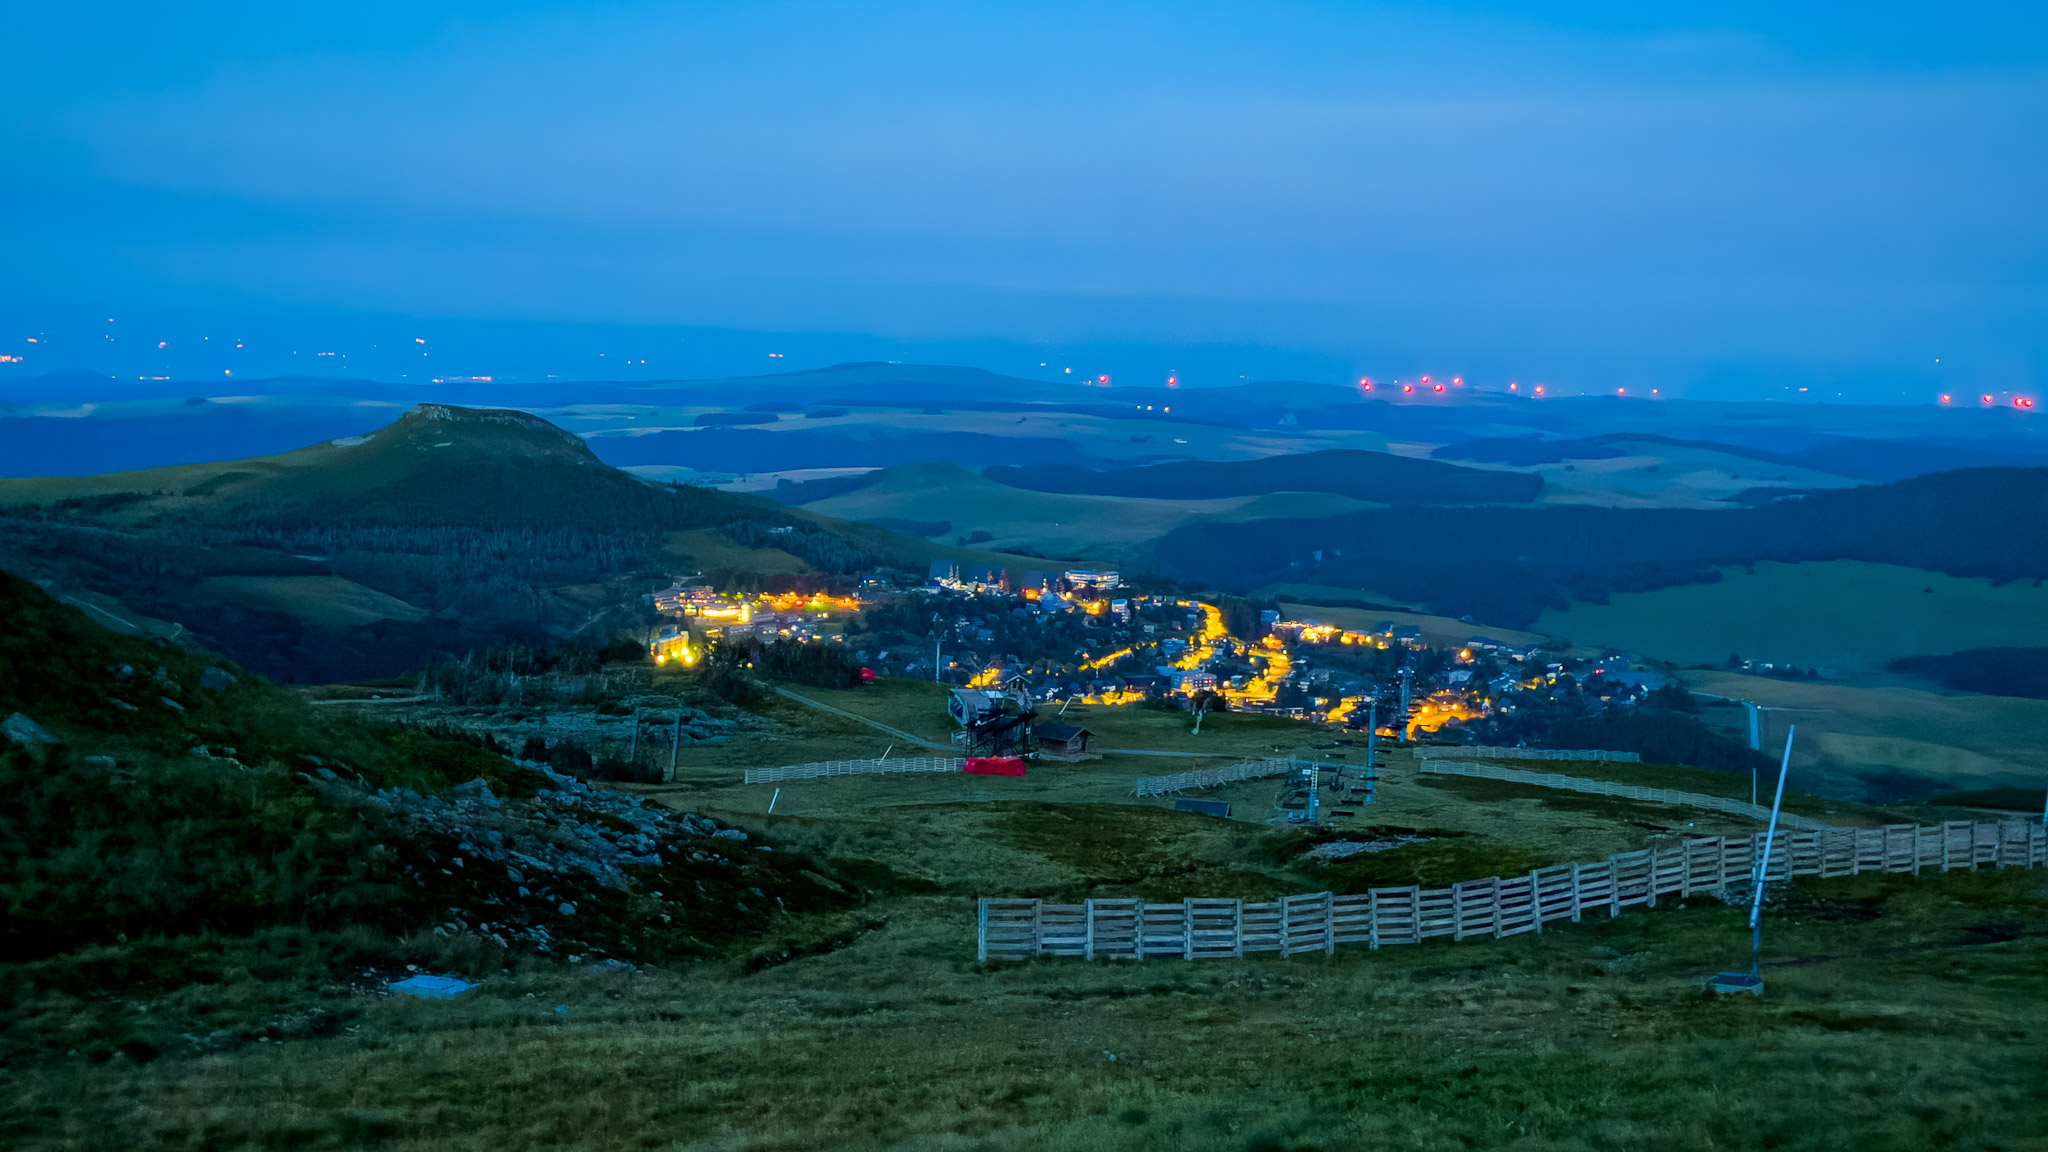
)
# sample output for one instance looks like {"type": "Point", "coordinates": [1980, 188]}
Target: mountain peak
{"type": "Point", "coordinates": [495, 431]}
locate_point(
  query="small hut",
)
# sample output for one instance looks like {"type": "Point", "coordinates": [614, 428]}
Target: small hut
{"type": "Point", "coordinates": [1064, 742]}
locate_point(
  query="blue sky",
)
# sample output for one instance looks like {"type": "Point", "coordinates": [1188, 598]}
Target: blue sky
{"type": "Point", "coordinates": [1721, 199]}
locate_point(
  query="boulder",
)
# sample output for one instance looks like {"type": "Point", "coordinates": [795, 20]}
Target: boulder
{"type": "Point", "coordinates": [22, 730]}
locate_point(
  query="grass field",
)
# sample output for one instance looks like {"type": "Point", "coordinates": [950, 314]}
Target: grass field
{"type": "Point", "coordinates": [1438, 631]}
{"type": "Point", "coordinates": [1840, 614]}
{"type": "Point", "coordinates": [1901, 739]}
{"type": "Point", "coordinates": [1670, 476]}
{"type": "Point", "coordinates": [327, 600]}
{"type": "Point", "coordinates": [1901, 1012]}
{"type": "Point", "coordinates": [1056, 524]}
{"type": "Point", "coordinates": [709, 550]}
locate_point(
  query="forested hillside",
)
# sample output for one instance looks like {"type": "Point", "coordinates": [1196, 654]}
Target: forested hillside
{"type": "Point", "coordinates": [1377, 476]}
{"type": "Point", "coordinates": [1506, 565]}
{"type": "Point", "coordinates": [448, 529]}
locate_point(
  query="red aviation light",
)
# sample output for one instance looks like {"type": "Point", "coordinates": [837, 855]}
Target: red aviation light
{"type": "Point", "coordinates": [1539, 389]}
{"type": "Point", "coordinates": [1365, 383]}
{"type": "Point", "coordinates": [1458, 381]}
{"type": "Point", "coordinates": [2022, 402]}
{"type": "Point", "coordinates": [1102, 379]}
{"type": "Point", "coordinates": [1407, 387]}
{"type": "Point", "coordinates": [1425, 379]}
{"type": "Point", "coordinates": [1987, 397]}
{"type": "Point", "coordinates": [1439, 387]}
{"type": "Point", "coordinates": [1945, 397]}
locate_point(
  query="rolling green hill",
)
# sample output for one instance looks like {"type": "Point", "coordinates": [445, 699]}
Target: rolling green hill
{"type": "Point", "coordinates": [1506, 565]}
{"type": "Point", "coordinates": [1056, 524]}
{"type": "Point", "coordinates": [1844, 615]}
{"type": "Point", "coordinates": [448, 529]}
{"type": "Point", "coordinates": [1378, 477]}
{"type": "Point", "coordinates": [173, 822]}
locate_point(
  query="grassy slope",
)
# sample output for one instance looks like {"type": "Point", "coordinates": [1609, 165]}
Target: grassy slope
{"type": "Point", "coordinates": [1848, 733]}
{"type": "Point", "coordinates": [1902, 1013]}
{"type": "Point", "coordinates": [1842, 614]}
{"type": "Point", "coordinates": [1440, 631]}
{"type": "Point", "coordinates": [1670, 476]}
{"type": "Point", "coordinates": [1058, 525]}
{"type": "Point", "coordinates": [329, 600]}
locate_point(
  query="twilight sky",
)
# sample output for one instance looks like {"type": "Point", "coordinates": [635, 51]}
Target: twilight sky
{"type": "Point", "coordinates": [1725, 198]}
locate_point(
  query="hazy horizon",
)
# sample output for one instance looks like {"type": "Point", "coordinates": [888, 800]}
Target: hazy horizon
{"type": "Point", "coordinates": [1725, 201]}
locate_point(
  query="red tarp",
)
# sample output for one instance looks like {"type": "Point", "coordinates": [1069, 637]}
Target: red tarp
{"type": "Point", "coordinates": [994, 766]}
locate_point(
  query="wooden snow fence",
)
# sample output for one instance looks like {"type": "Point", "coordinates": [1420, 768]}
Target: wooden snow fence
{"type": "Point", "coordinates": [820, 768]}
{"type": "Point", "coordinates": [1485, 752]}
{"type": "Point", "coordinates": [1610, 788]}
{"type": "Point", "coordinates": [1198, 929]}
{"type": "Point", "coordinates": [1212, 777]}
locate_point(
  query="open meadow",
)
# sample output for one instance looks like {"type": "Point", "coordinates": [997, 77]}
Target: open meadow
{"type": "Point", "coordinates": [1901, 1013]}
{"type": "Point", "coordinates": [1055, 524]}
{"type": "Point", "coordinates": [1846, 617]}
{"type": "Point", "coordinates": [1895, 741]}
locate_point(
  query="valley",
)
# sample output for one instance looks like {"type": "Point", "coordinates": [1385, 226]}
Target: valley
{"type": "Point", "coordinates": [487, 706]}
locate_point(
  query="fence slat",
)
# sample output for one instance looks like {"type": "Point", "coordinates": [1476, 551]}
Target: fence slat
{"type": "Point", "coordinates": [1201, 928]}
{"type": "Point", "coordinates": [821, 768]}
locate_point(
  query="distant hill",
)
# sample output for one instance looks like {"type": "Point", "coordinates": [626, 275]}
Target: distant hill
{"type": "Point", "coordinates": [1505, 565]}
{"type": "Point", "coordinates": [1990, 671]}
{"type": "Point", "coordinates": [1879, 460]}
{"type": "Point", "coordinates": [1376, 476]}
{"type": "Point", "coordinates": [458, 527]}
{"type": "Point", "coordinates": [719, 449]}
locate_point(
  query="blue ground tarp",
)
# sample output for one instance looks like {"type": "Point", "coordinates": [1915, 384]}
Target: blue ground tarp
{"type": "Point", "coordinates": [431, 987]}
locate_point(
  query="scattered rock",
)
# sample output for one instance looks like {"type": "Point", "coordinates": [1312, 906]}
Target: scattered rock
{"type": "Point", "coordinates": [728, 834]}
{"type": "Point", "coordinates": [474, 792]}
{"type": "Point", "coordinates": [167, 702]}
{"type": "Point", "coordinates": [216, 679]}
{"type": "Point", "coordinates": [1339, 849]}
{"type": "Point", "coordinates": [22, 730]}
{"type": "Point", "coordinates": [105, 763]}
{"type": "Point", "coordinates": [606, 967]}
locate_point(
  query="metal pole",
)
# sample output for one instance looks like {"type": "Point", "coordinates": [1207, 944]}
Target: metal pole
{"type": "Point", "coordinates": [675, 744]}
{"type": "Point", "coordinates": [935, 661]}
{"type": "Point", "coordinates": [1372, 730]}
{"type": "Point", "coordinates": [1407, 682]}
{"type": "Point", "coordinates": [772, 800]}
{"type": "Point", "coordinates": [1763, 861]}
